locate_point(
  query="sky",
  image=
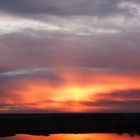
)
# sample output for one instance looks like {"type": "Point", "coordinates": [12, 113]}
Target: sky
{"type": "Point", "coordinates": [69, 56]}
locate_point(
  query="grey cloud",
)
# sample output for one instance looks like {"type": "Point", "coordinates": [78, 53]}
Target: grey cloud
{"type": "Point", "coordinates": [30, 74]}
{"type": "Point", "coordinates": [117, 101]}
{"type": "Point", "coordinates": [129, 94]}
{"type": "Point", "coordinates": [64, 7]}
{"type": "Point", "coordinates": [23, 51]}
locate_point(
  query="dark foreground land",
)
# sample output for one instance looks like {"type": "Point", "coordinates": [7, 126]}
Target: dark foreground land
{"type": "Point", "coordinates": [45, 124]}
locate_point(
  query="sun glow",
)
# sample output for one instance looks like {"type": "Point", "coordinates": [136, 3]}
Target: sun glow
{"type": "Point", "coordinates": [75, 93]}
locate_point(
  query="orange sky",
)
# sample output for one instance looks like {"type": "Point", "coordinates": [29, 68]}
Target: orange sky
{"type": "Point", "coordinates": [71, 93]}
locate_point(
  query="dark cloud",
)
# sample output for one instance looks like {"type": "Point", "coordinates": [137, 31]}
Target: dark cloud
{"type": "Point", "coordinates": [23, 51]}
{"type": "Point", "coordinates": [7, 79]}
{"type": "Point", "coordinates": [128, 94]}
{"type": "Point", "coordinates": [63, 7]}
{"type": "Point", "coordinates": [117, 101]}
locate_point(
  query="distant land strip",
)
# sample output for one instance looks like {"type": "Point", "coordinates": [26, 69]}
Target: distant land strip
{"type": "Point", "coordinates": [58, 123]}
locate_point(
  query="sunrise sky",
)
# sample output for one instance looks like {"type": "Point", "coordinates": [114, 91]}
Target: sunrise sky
{"type": "Point", "coordinates": [69, 56]}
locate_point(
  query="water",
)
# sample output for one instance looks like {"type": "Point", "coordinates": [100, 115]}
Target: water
{"type": "Point", "coordinates": [90, 136]}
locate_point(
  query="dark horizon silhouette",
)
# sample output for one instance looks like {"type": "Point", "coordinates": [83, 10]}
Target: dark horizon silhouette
{"type": "Point", "coordinates": [45, 124]}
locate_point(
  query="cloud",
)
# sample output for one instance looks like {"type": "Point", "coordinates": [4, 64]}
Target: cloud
{"type": "Point", "coordinates": [132, 7]}
{"type": "Point", "coordinates": [21, 50]}
{"type": "Point", "coordinates": [85, 17]}
{"type": "Point", "coordinates": [117, 101]}
{"type": "Point", "coordinates": [64, 7]}
{"type": "Point", "coordinates": [80, 40]}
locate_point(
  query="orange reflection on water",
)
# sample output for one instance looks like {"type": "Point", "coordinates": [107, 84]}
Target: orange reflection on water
{"type": "Point", "coordinates": [78, 137]}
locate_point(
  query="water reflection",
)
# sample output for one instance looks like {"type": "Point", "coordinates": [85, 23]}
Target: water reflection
{"type": "Point", "coordinates": [74, 137]}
